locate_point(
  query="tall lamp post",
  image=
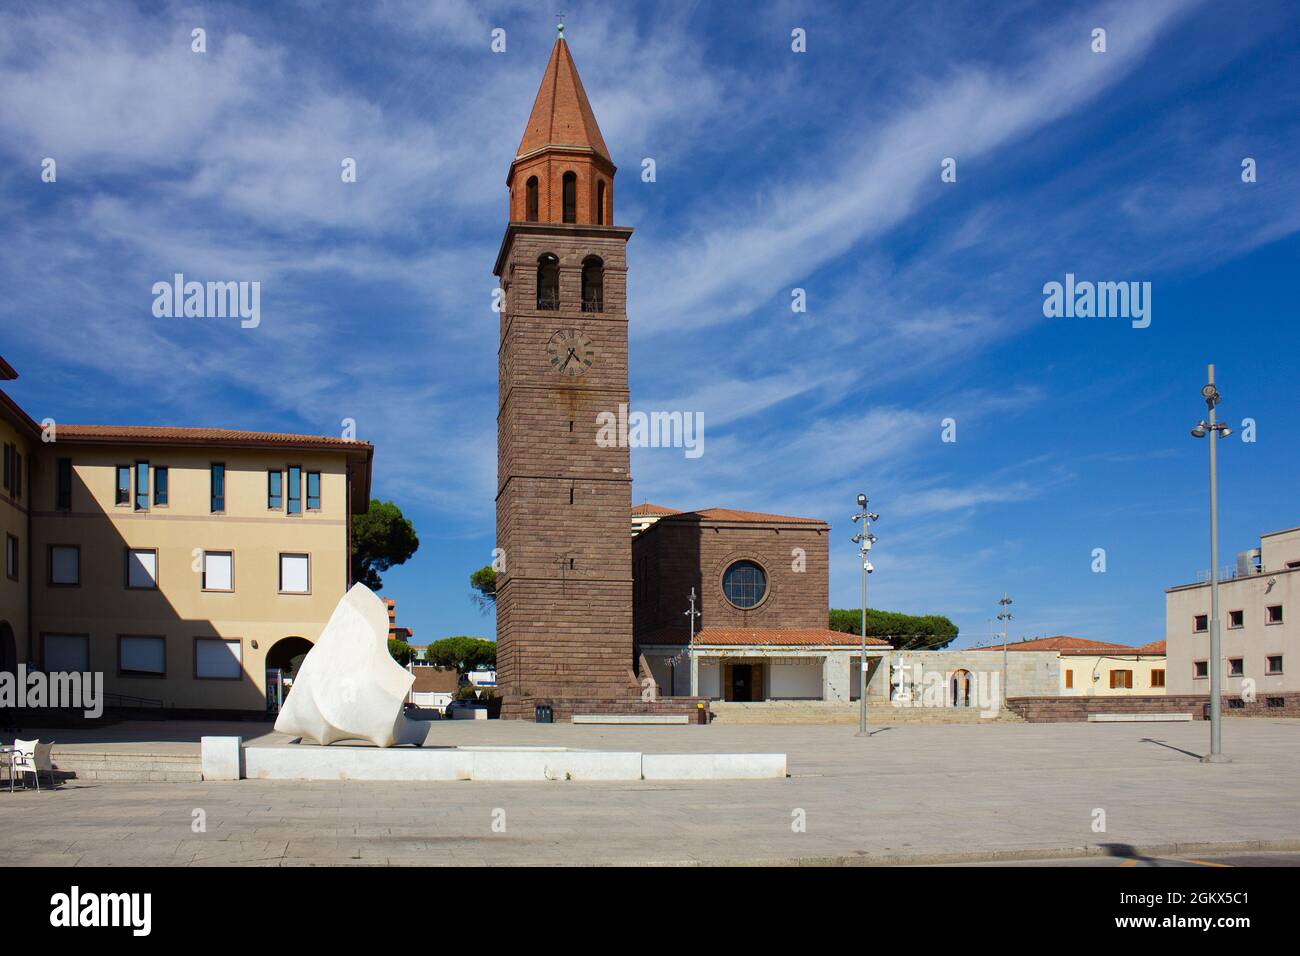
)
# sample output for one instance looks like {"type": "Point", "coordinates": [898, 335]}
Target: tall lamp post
{"type": "Point", "coordinates": [864, 540]}
{"type": "Point", "coordinates": [690, 648]}
{"type": "Point", "coordinates": [1005, 615]}
{"type": "Point", "coordinates": [1214, 429]}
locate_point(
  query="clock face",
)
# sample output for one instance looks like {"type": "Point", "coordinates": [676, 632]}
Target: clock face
{"type": "Point", "coordinates": [570, 352]}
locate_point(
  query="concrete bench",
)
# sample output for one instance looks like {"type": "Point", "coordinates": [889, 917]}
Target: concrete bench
{"type": "Point", "coordinates": [632, 718]}
{"type": "Point", "coordinates": [1134, 718]}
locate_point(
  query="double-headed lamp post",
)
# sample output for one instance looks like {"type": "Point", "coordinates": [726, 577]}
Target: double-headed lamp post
{"type": "Point", "coordinates": [1214, 429]}
{"type": "Point", "coordinates": [864, 540]}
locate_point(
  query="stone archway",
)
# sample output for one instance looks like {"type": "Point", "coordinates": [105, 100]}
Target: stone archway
{"type": "Point", "coordinates": [960, 688]}
{"type": "Point", "coordinates": [280, 655]}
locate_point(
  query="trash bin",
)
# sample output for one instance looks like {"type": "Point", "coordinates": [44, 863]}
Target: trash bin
{"type": "Point", "coordinates": [543, 714]}
{"type": "Point", "coordinates": [1205, 712]}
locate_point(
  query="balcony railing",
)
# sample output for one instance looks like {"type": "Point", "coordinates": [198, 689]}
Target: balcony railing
{"type": "Point", "coordinates": [593, 304]}
{"type": "Point", "coordinates": [547, 302]}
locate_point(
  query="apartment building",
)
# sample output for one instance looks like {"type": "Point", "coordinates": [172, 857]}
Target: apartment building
{"type": "Point", "coordinates": [1259, 636]}
{"type": "Point", "coordinates": [182, 563]}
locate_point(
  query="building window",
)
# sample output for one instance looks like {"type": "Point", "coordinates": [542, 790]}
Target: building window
{"type": "Point", "coordinates": [65, 653]}
{"type": "Point", "coordinates": [1273, 664]}
{"type": "Point", "coordinates": [295, 490]}
{"type": "Point", "coordinates": [13, 482]}
{"type": "Point", "coordinates": [295, 577]}
{"type": "Point", "coordinates": [593, 285]}
{"type": "Point", "coordinates": [11, 557]}
{"type": "Point", "coordinates": [1236, 666]}
{"type": "Point", "coordinates": [1157, 677]}
{"type": "Point", "coordinates": [1200, 669]}
{"type": "Point", "coordinates": [123, 485]}
{"type": "Point", "coordinates": [530, 199]}
{"type": "Point", "coordinates": [600, 203]}
{"type": "Point", "coordinates": [570, 186]}
{"type": "Point", "coordinates": [1236, 619]}
{"type": "Point", "coordinates": [313, 491]}
{"type": "Point", "coordinates": [218, 658]}
{"type": "Point", "coordinates": [1200, 622]}
{"type": "Point", "coordinates": [141, 486]}
{"type": "Point", "coordinates": [1273, 614]}
{"type": "Point", "coordinates": [63, 485]}
{"type": "Point", "coordinates": [142, 568]}
{"type": "Point", "coordinates": [744, 584]}
{"type": "Point", "coordinates": [218, 570]}
{"type": "Point", "coordinates": [1069, 680]}
{"type": "Point", "coordinates": [275, 489]}
{"type": "Point", "coordinates": [65, 565]}
{"type": "Point", "coordinates": [217, 482]}
{"type": "Point", "coordinates": [1121, 680]}
{"type": "Point", "coordinates": [160, 489]}
{"type": "Point", "coordinates": [141, 656]}
{"type": "Point", "coordinates": [548, 283]}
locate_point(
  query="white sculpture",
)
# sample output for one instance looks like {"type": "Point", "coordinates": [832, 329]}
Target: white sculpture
{"type": "Point", "coordinates": [348, 686]}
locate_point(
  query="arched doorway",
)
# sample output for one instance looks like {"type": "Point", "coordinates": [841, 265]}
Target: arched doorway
{"type": "Point", "coordinates": [961, 687]}
{"type": "Point", "coordinates": [283, 659]}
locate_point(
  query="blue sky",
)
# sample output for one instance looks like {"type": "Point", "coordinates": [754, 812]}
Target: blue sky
{"type": "Point", "coordinates": [776, 170]}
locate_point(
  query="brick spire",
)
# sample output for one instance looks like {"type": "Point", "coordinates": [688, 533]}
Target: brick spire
{"type": "Point", "coordinates": [561, 114]}
{"type": "Point", "coordinates": [562, 172]}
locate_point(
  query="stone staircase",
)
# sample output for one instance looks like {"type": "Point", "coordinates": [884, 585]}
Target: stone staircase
{"type": "Point", "coordinates": [823, 712]}
{"type": "Point", "coordinates": [128, 767]}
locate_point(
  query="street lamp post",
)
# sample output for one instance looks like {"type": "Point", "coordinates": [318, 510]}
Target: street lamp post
{"type": "Point", "coordinates": [690, 647]}
{"type": "Point", "coordinates": [1214, 429]}
{"type": "Point", "coordinates": [1005, 615]}
{"type": "Point", "coordinates": [864, 540]}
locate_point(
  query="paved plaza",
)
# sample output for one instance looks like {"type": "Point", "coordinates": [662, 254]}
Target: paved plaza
{"type": "Point", "coordinates": [912, 793]}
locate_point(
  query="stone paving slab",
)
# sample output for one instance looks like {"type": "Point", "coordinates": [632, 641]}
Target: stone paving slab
{"type": "Point", "coordinates": [916, 793]}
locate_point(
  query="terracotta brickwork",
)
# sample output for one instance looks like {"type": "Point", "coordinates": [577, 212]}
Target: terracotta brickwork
{"type": "Point", "coordinates": [688, 550]}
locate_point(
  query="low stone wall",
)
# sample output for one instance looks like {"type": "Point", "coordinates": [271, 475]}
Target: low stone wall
{"type": "Point", "coordinates": [1058, 709]}
{"type": "Point", "coordinates": [563, 708]}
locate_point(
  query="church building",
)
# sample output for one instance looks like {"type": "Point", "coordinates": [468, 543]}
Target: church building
{"type": "Point", "coordinates": [590, 620]}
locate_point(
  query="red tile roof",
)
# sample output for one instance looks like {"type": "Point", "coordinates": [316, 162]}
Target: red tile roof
{"type": "Point", "coordinates": [1155, 647]}
{"type": "Point", "coordinates": [645, 508]}
{"type": "Point", "coordinates": [1061, 643]}
{"type": "Point", "coordinates": [783, 637]}
{"type": "Point", "coordinates": [743, 517]}
{"type": "Point", "coordinates": [151, 434]}
{"type": "Point", "coordinates": [561, 114]}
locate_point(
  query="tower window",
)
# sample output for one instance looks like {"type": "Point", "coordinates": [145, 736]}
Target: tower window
{"type": "Point", "coordinates": [548, 283]}
{"type": "Point", "coordinates": [593, 285]}
{"type": "Point", "coordinates": [600, 203]}
{"type": "Point", "coordinates": [530, 199]}
{"type": "Point", "coordinates": [570, 197]}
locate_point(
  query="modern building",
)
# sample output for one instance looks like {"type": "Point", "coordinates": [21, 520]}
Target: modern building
{"type": "Point", "coordinates": [1260, 641]}
{"type": "Point", "coordinates": [185, 564]}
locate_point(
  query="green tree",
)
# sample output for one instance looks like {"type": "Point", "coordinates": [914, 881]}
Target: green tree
{"type": "Point", "coordinates": [484, 585]}
{"type": "Point", "coordinates": [463, 653]}
{"type": "Point", "coordinates": [928, 632]}
{"type": "Point", "coordinates": [402, 652]}
{"type": "Point", "coordinates": [381, 538]}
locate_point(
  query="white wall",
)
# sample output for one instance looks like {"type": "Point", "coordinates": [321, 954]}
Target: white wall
{"type": "Point", "coordinates": [797, 678]}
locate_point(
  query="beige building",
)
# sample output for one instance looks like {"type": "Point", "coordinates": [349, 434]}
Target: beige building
{"type": "Point", "coordinates": [182, 563]}
{"type": "Point", "coordinates": [1260, 639]}
{"type": "Point", "coordinates": [1116, 672]}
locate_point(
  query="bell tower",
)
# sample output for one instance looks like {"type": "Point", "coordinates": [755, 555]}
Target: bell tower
{"type": "Point", "coordinates": [564, 597]}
